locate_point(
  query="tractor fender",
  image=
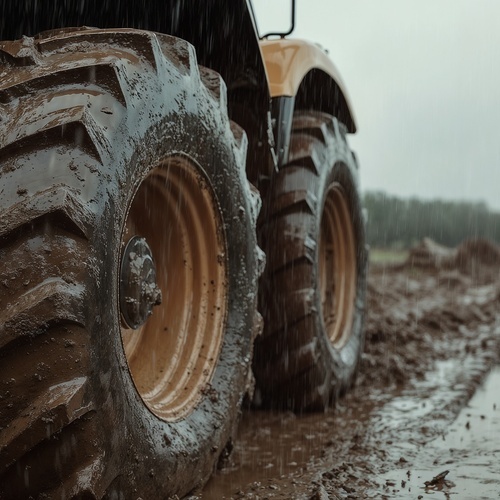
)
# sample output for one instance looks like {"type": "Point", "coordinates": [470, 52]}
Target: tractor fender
{"type": "Point", "coordinates": [301, 76]}
{"type": "Point", "coordinates": [290, 63]}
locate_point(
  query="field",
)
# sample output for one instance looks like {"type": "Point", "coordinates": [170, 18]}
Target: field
{"type": "Point", "coordinates": [409, 427]}
{"type": "Point", "coordinates": [386, 256]}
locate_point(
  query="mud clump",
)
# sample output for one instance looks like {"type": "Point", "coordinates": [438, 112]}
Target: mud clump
{"type": "Point", "coordinates": [430, 254]}
{"type": "Point", "coordinates": [479, 259]}
{"type": "Point", "coordinates": [476, 257]}
{"type": "Point", "coordinates": [415, 310]}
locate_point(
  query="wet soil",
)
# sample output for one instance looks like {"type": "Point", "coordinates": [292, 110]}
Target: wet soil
{"type": "Point", "coordinates": [432, 344]}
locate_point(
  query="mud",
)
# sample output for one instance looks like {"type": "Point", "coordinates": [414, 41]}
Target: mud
{"type": "Point", "coordinates": [469, 449]}
{"type": "Point", "coordinates": [432, 343]}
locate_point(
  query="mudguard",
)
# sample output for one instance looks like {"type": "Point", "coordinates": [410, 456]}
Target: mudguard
{"type": "Point", "coordinates": [302, 77]}
{"type": "Point", "coordinates": [298, 67]}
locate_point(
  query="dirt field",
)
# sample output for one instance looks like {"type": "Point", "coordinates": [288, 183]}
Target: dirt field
{"type": "Point", "coordinates": [432, 340]}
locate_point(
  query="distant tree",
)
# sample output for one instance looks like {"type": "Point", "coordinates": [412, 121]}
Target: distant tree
{"type": "Point", "coordinates": [397, 222]}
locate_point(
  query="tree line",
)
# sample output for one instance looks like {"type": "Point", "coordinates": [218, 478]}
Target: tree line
{"type": "Point", "coordinates": [401, 223]}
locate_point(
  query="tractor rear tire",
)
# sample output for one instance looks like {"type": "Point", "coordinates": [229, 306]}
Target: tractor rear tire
{"type": "Point", "coordinates": [107, 135]}
{"type": "Point", "coordinates": [312, 293]}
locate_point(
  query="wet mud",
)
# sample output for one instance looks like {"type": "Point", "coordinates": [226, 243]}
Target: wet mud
{"type": "Point", "coordinates": [469, 450]}
{"type": "Point", "coordinates": [423, 418]}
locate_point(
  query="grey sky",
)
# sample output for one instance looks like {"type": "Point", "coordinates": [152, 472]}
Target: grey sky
{"type": "Point", "coordinates": [424, 80]}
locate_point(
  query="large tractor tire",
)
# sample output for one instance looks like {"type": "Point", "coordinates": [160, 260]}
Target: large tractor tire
{"type": "Point", "coordinates": [123, 193]}
{"type": "Point", "coordinates": [313, 289]}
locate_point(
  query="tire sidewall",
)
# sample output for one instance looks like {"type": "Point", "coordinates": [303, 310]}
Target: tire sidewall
{"type": "Point", "coordinates": [340, 365]}
{"type": "Point", "coordinates": [138, 444]}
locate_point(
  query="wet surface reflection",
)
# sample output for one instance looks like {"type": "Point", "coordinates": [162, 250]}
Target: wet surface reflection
{"type": "Point", "coordinates": [469, 450]}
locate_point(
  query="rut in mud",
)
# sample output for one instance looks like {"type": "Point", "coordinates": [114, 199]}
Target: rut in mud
{"type": "Point", "coordinates": [433, 334]}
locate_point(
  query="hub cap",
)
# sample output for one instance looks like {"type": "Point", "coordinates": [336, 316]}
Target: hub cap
{"type": "Point", "coordinates": [139, 292]}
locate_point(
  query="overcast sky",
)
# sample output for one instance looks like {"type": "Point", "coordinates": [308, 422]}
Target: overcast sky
{"type": "Point", "coordinates": [424, 80]}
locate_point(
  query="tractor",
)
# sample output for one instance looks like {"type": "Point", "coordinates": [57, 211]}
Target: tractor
{"type": "Point", "coordinates": [180, 232]}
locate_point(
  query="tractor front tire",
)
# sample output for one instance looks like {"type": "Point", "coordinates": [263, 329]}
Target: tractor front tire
{"type": "Point", "coordinates": [313, 290]}
{"type": "Point", "coordinates": [123, 186]}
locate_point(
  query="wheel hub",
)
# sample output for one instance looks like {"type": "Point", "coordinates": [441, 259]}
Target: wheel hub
{"type": "Point", "coordinates": [139, 293]}
{"type": "Point", "coordinates": [174, 354]}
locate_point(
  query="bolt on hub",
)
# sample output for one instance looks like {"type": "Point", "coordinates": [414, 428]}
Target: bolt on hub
{"type": "Point", "coordinates": [139, 293]}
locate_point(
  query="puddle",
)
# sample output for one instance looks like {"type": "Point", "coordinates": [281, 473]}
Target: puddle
{"type": "Point", "coordinates": [469, 449]}
{"type": "Point", "coordinates": [478, 424]}
{"type": "Point", "coordinates": [408, 408]}
{"type": "Point", "coordinates": [272, 446]}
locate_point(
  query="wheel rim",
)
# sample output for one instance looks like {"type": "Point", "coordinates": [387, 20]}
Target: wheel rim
{"type": "Point", "coordinates": [337, 267]}
{"type": "Point", "coordinates": [173, 355]}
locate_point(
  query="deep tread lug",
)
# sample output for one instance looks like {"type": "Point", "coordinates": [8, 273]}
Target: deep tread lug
{"type": "Point", "coordinates": [52, 411]}
{"type": "Point", "coordinates": [142, 41]}
{"type": "Point", "coordinates": [51, 301]}
{"type": "Point", "coordinates": [21, 52]}
{"type": "Point", "coordinates": [71, 130]}
{"type": "Point", "coordinates": [319, 125]}
{"type": "Point", "coordinates": [58, 203]}
{"type": "Point", "coordinates": [103, 73]}
{"type": "Point", "coordinates": [303, 159]}
{"type": "Point", "coordinates": [290, 363]}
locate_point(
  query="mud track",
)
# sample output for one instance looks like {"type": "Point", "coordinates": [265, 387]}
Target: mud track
{"type": "Point", "coordinates": [433, 337]}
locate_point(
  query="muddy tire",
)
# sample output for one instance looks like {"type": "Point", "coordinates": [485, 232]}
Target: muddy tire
{"type": "Point", "coordinates": [313, 290]}
{"type": "Point", "coordinates": [107, 135]}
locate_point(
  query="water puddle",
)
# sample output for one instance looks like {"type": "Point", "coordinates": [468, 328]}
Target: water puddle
{"type": "Point", "coordinates": [469, 450]}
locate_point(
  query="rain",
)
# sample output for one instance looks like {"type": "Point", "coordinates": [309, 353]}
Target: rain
{"type": "Point", "coordinates": [236, 266]}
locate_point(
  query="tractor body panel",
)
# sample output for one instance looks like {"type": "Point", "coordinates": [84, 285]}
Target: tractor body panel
{"type": "Point", "coordinates": [292, 63]}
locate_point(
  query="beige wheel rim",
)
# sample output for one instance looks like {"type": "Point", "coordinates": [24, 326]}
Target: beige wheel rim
{"type": "Point", "coordinates": [173, 355]}
{"type": "Point", "coordinates": [337, 267]}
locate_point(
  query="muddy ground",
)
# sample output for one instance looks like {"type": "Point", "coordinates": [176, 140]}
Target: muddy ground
{"type": "Point", "coordinates": [432, 342]}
